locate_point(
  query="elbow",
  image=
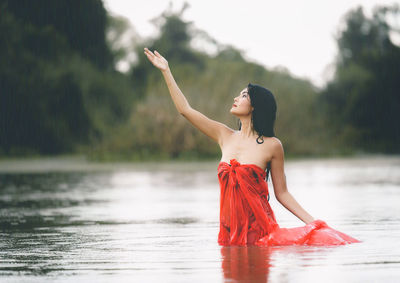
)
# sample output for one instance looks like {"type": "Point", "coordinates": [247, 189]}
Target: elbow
{"type": "Point", "coordinates": [280, 197]}
{"type": "Point", "coordinates": [183, 113]}
{"type": "Point", "coordinates": [184, 110]}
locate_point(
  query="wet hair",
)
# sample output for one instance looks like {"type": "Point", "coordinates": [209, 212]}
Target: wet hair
{"type": "Point", "coordinates": [264, 113]}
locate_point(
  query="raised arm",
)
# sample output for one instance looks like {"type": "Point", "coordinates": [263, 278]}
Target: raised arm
{"type": "Point", "coordinates": [280, 188]}
{"type": "Point", "coordinates": [215, 130]}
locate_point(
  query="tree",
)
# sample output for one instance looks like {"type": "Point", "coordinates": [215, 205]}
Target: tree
{"type": "Point", "coordinates": [82, 23]}
{"type": "Point", "coordinates": [364, 94]}
{"type": "Point", "coordinates": [53, 97]}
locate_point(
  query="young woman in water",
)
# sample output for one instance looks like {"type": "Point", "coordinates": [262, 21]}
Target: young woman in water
{"type": "Point", "coordinates": [245, 214]}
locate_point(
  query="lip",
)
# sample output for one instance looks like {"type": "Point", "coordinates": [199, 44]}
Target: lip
{"type": "Point", "coordinates": [234, 105]}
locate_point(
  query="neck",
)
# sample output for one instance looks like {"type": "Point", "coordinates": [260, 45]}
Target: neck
{"type": "Point", "coordinates": [246, 129]}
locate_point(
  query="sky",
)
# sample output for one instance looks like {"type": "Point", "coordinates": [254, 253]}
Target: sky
{"type": "Point", "coordinates": [298, 35]}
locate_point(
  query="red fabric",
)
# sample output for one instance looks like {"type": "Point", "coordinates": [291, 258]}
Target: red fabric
{"type": "Point", "coordinates": [246, 218]}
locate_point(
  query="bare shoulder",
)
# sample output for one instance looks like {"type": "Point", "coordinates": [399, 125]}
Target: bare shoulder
{"type": "Point", "coordinates": [277, 147]}
{"type": "Point", "coordinates": [276, 142]}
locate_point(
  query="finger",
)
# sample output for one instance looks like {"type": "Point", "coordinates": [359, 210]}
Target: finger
{"type": "Point", "coordinates": [157, 54]}
{"type": "Point", "coordinates": [150, 57]}
{"type": "Point", "coordinates": [147, 51]}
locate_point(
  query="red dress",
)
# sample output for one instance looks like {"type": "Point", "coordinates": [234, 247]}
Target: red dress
{"type": "Point", "coordinates": [246, 218]}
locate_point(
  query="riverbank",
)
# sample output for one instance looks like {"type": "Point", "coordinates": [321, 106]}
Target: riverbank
{"type": "Point", "coordinates": [82, 163]}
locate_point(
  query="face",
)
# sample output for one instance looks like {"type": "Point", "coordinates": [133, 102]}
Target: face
{"type": "Point", "coordinates": [241, 104]}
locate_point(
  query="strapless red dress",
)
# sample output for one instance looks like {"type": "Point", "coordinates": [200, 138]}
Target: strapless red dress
{"type": "Point", "coordinates": [246, 218]}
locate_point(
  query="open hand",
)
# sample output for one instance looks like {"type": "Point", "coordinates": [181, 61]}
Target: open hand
{"type": "Point", "coordinates": [156, 59]}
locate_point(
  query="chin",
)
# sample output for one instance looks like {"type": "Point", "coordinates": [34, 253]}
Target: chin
{"type": "Point", "coordinates": [233, 112]}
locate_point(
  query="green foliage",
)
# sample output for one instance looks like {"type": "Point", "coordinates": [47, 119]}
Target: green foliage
{"type": "Point", "coordinates": [363, 99]}
{"type": "Point", "coordinates": [81, 23]}
{"type": "Point", "coordinates": [52, 99]}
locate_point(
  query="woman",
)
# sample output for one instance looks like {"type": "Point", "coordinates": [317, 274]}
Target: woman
{"type": "Point", "coordinates": [246, 217]}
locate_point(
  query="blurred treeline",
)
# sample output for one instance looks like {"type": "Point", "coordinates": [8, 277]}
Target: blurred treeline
{"type": "Point", "coordinates": [61, 91]}
{"type": "Point", "coordinates": [363, 99]}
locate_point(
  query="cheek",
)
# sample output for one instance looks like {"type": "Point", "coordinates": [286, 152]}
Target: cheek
{"type": "Point", "coordinates": [246, 104]}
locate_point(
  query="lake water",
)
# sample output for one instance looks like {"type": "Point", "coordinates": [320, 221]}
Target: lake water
{"type": "Point", "coordinates": [67, 220]}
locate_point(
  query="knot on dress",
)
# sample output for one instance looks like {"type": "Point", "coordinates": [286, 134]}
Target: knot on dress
{"type": "Point", "coordinates": [234, 163]}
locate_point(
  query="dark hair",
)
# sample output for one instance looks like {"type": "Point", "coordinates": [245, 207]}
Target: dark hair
{"type": "Point", "coordinates": [264, 113]}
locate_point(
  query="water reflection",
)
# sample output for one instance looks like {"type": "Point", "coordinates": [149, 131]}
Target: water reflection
{"type": "Point", "coordinates": [246, 264]}
{"type": "Point", "coordinates": [253, 263]}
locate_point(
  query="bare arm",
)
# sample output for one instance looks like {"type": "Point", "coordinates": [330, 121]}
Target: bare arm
{"type": "Point", "coordinates": [215, 130]}
{"type": "Point", "coordinates": [280, 188]}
